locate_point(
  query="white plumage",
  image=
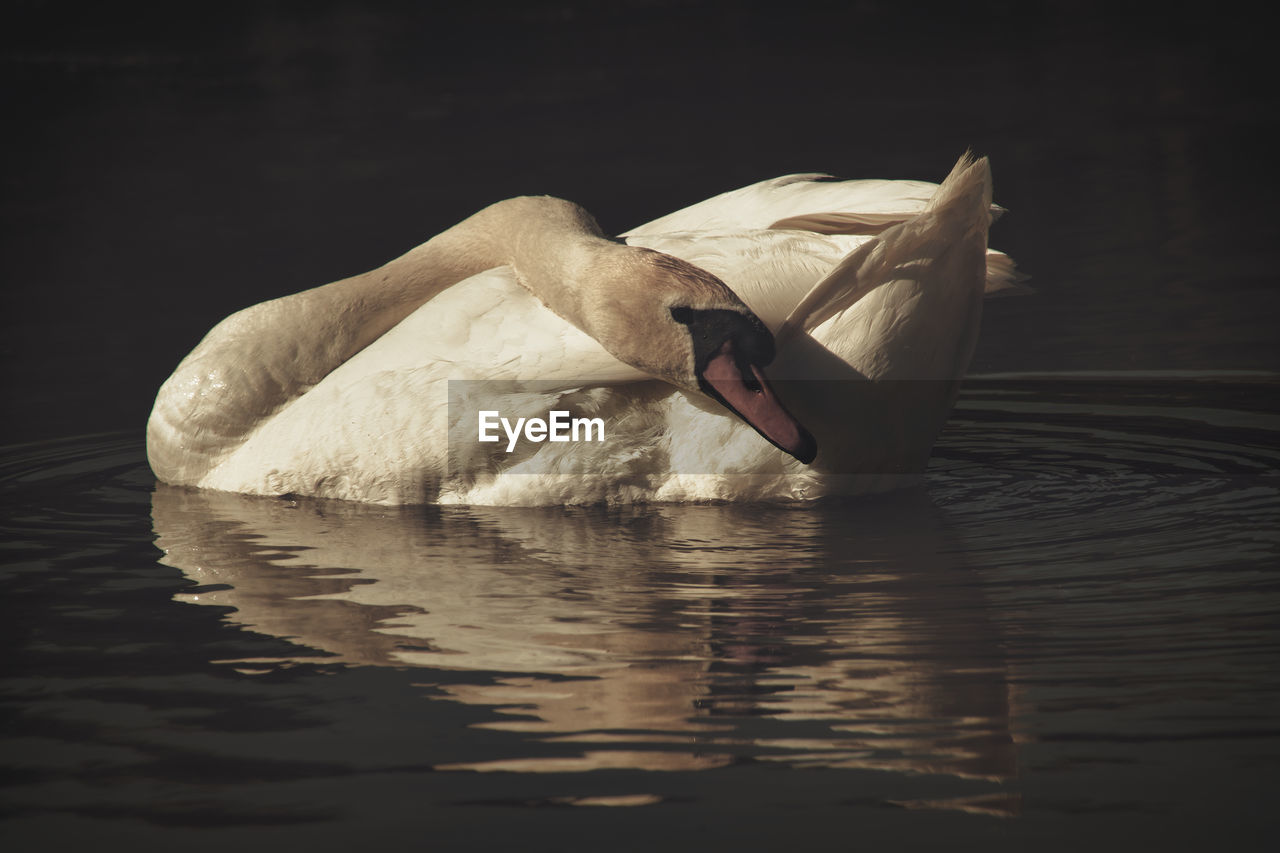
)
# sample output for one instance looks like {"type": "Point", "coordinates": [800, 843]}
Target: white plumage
{"type": "Point", "coordinates": [874, 329]}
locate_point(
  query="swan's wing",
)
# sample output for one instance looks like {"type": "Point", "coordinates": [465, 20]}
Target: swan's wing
{"type": "Point", "coordinates": [775, 271]}
{"type": "Point", "coordinates": [957, 209]}
{"type": "Point", "coordinates": [771, 271]}
{"type": "Point", "coordinates": [770, 203]}
{"type": "Point", "coordinates": [817, 204]}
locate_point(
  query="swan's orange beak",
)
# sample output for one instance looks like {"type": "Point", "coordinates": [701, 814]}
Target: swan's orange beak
{"type": "Point", "coordinates": [744, 390]}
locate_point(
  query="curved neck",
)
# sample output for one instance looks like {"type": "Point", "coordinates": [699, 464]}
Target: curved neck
{"type": "Point", "coordinates": [257, 361]}
{"type": "Point", "coordinates": [309, 334]}
{"type": "Point", "coordinates": [549, 243]}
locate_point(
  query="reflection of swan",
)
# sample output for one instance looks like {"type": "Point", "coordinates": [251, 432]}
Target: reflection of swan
{"type": "Point", "coordinates": [344, 391]}
{"type": "Point", "coordinates": [633, 636]}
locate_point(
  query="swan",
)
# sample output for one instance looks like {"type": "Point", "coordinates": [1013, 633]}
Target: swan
{"type": "Point", "coordinates": [863, 298]}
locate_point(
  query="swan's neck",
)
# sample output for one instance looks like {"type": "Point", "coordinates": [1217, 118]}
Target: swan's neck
{"type": "Point", "coordinates": [260, 359]}
{"type": "Point", "coordinates": [619, 295]}
{"type": "Point", "coordinates": [549, 242]}
{"type": "Point", "coordinates": [554, 246]}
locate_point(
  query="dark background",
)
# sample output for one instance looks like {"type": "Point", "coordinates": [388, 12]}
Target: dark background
{"type": "Point", "coordinates": [164, 166]}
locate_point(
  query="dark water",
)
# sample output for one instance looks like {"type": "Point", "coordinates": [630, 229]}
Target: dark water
{"type": "Point", "coordinates": [1070, 636]}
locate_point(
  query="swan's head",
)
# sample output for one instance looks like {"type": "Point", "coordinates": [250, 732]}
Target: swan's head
{"type": "Point", "coordinates": [730, 352]}
{"type": "Point", "coordinates": [684, 325]}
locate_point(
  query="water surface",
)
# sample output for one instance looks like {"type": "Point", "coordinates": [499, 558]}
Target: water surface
{"type": "Point", "coordinates": [1068, 635]}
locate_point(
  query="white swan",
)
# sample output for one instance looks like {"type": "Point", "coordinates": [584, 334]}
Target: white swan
{"type": "Point", "coordinates": [369, 388]}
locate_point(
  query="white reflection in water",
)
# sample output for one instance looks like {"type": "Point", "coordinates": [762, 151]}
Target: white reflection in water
{"type": "Point", "coordinates": [659, 638]}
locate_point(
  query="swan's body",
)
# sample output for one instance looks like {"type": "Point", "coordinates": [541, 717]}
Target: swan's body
{"type": "Point", "coordinates": [345, 391]}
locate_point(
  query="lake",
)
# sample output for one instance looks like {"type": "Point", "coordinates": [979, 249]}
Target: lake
{"type": "Point", "coordinates": [1069, 635]}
